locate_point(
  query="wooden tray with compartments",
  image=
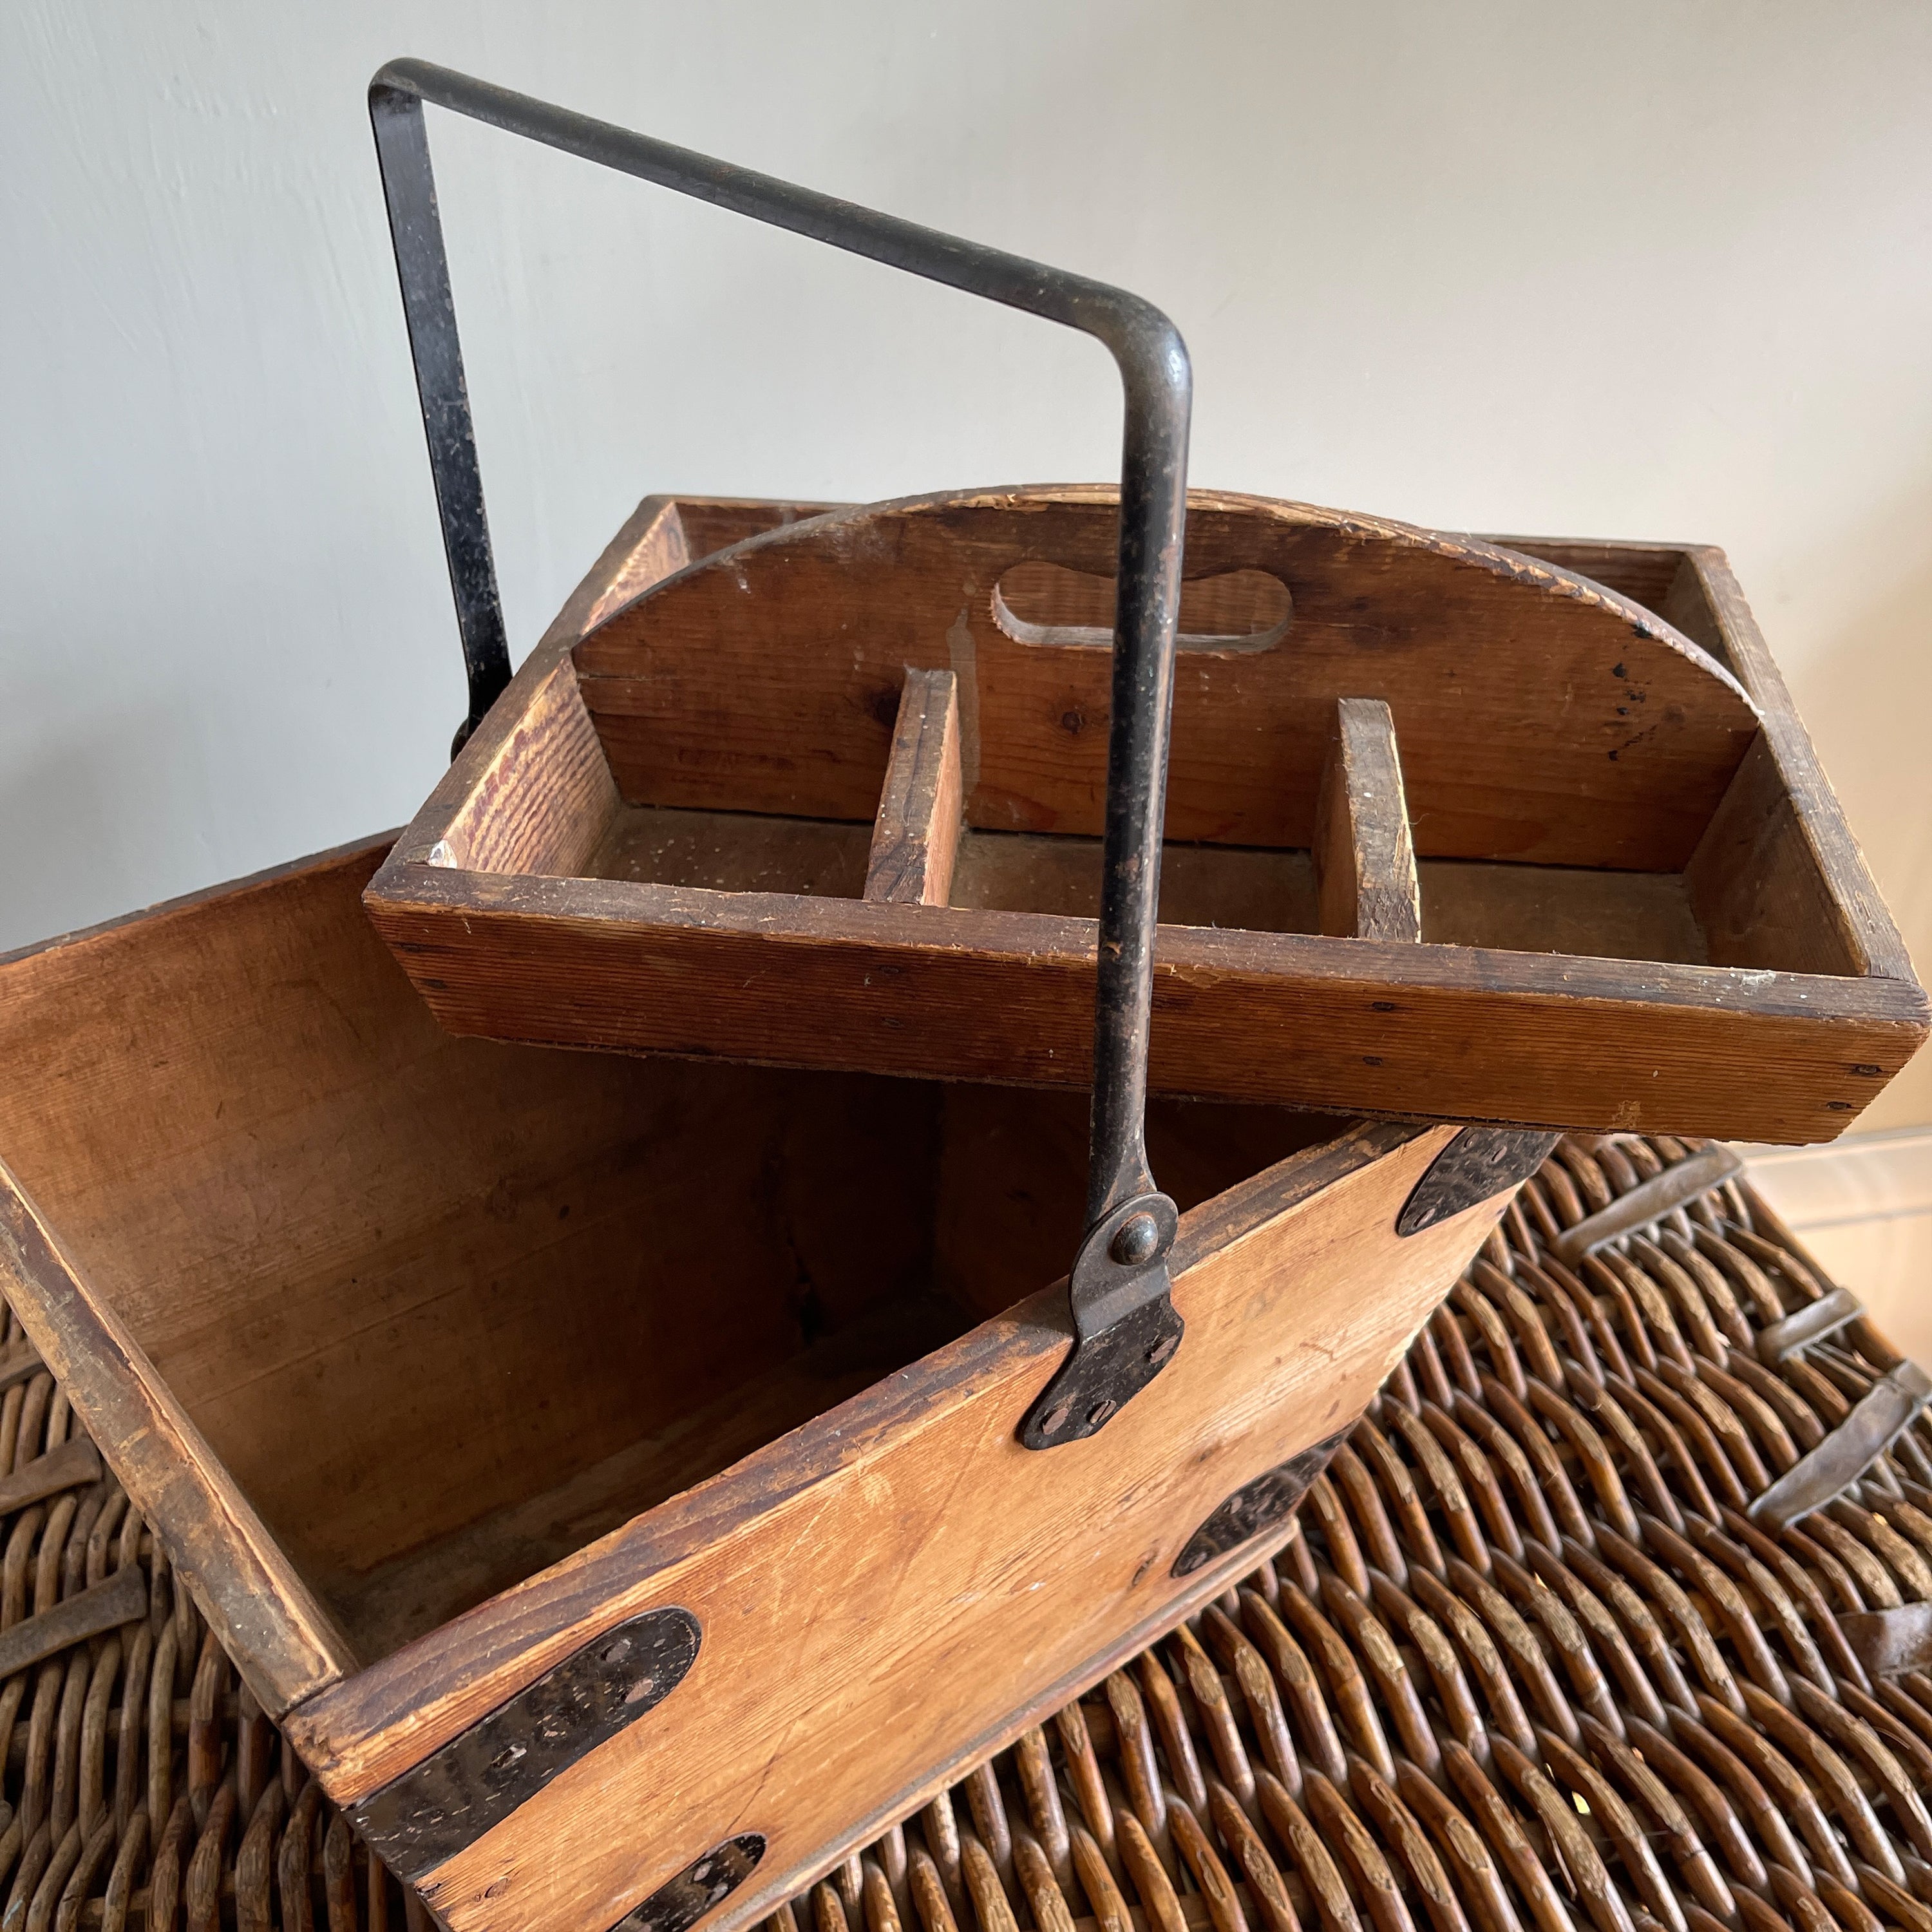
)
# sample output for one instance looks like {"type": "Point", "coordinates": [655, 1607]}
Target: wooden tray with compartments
{"type": "Point", "coordinates": [588, 1458]}
{"type": "Point", "coordinates": [1525, 832]}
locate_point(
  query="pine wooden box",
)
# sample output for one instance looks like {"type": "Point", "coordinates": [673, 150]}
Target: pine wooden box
{"type": "Point", "coordinates": [719, 811]}
{"type": "Point", "coordinates": [587, 1457]}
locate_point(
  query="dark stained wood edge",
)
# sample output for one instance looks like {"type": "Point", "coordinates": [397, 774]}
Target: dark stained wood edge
{"type": "Point", "coordinates": [916, 835]}
{"type": "Point", "coordinates": [536, 1620]}
{"type": "Point", "coordinates": [623, 905]}
{"type": "Point", "coordinates": [286, 1644]}
{"type": "Point", "coordinates": [1365, 875]}
{"type": "Point", "coordinates": [1381, 1012]}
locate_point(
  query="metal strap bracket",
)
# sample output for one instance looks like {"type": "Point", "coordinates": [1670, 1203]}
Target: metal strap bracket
{"type": "Point", "coordinates": [1811, 1323]}
{"type": "Point", "coordinates": [1678, 1185]}
{"type": "Point", "coordinates": [1885, 1412]}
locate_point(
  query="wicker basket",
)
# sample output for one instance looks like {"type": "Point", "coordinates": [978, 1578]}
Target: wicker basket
{"type": "Point", "coordinates": [1526, 1662]}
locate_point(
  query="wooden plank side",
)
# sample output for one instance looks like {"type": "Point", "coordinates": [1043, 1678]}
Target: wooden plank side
{"type": "Point", "coordinates": [1692, 586]}
{"type": "Point", "coordinates": [1539, 1039]}
{"type": "Point", "coordinates": [1542, 718]}
{"type": "Point", "coordinates": [1818, 816]}
{"type": "Point", "coordinates": [543, 796]}
{"type": "Point", "coordinates": [925, 1537]}
{"type": "Point", "coordinates": [296, 1190]}
{"type": "Point", "coordinates": [1364, 857]}
{"type": "Point", "coordinates": [285, 1643]}
{"type": "Point", "coordinates": [1757, 886]}
{"type": "Point", "coordinates": [916, 835]}
{"type": "Point", "coordinates": [432, 1677]}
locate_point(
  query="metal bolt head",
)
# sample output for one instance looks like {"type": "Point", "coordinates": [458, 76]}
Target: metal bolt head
{"type": "Point", "coordinates": [1134, 1240]}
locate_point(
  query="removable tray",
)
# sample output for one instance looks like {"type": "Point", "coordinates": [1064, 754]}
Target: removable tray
{"type": "Point", "coordinates": [1524, 832]}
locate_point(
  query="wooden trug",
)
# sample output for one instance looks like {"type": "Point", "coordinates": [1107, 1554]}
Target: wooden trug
{"type": "Point", "coordinates": [435, 1364]}
{"type": "Point", "coordinates": [694, 824]}
{"type": "Point", "coordinates": [1293, 1757]}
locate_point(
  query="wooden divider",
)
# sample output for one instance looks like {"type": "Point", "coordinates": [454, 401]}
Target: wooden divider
{"type": "Point", "coordinates": [915, 835]}
{"type": "Point", "coordinates": [1364, 855]}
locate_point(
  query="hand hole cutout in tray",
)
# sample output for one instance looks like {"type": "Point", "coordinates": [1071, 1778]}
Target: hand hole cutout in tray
{"type": "Point", "coordinates": [1041, 603]}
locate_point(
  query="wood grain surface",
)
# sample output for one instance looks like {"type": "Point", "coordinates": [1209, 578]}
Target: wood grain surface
{"type": "Point", "coordinates": [834, 1570]}
{"type": "Point", "coordinates": [286, 1643]}
{"type": "Point", "coordinates": [1364, 857]}
{"type": "Point", "coordinates": [263, 1160]}
{"type": "Point", "coordinates": [689, 939]}
{"type": "Point", "coordinates": [916, 835]}
{"type": "Point", "coordinates": [1541, 717]}
{"type": "Point", "coordinates": [1375, 1026]}
{"type": "Point", "coordinates": [1693, 587]}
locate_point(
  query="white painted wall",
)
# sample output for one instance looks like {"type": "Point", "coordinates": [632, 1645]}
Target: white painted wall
{"type": "Point", "coordinates": [1656, 268]}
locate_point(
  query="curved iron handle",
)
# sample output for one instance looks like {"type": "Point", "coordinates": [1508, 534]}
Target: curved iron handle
{"type": "Point", "coordinates": [1125, 1326]}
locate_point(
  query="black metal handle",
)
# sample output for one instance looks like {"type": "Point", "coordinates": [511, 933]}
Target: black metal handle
{"type": "Point", "coordinates": [1125, 1326]}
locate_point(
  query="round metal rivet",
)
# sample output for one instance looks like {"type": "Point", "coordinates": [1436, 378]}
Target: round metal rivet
{"type": "Point", "coordinates": [1134, 1240]}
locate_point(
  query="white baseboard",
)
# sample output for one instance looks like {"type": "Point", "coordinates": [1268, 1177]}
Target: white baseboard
{"type": "Point", "coordinates": [1863, 1205]}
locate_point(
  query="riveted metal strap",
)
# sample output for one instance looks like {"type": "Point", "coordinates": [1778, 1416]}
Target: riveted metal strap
{"type": "Point", "coordinates": [1890, 1642]}
{"type": "Point", "coordinates": [471, 1784]}
{"type": "Point", "coordinates": [1811, 1323]}
{"type": "Point", "coordinates": [1479, 1164]}
{"type": "Point", "coordinates": [680, 1902]}
{"type": "Point", "coordinates": [1886, 1410]}
{"type": "Point", "coordinates": [1662, 1194]}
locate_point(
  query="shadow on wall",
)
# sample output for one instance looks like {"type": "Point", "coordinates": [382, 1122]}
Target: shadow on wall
{"type": "Point", "coordinates": [1866, 697]}
{"type": "Point", "coordinates": [92, 817]}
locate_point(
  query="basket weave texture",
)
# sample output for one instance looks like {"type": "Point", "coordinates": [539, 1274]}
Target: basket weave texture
{"type": "Point", "coordinates": [1522, 1664]}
